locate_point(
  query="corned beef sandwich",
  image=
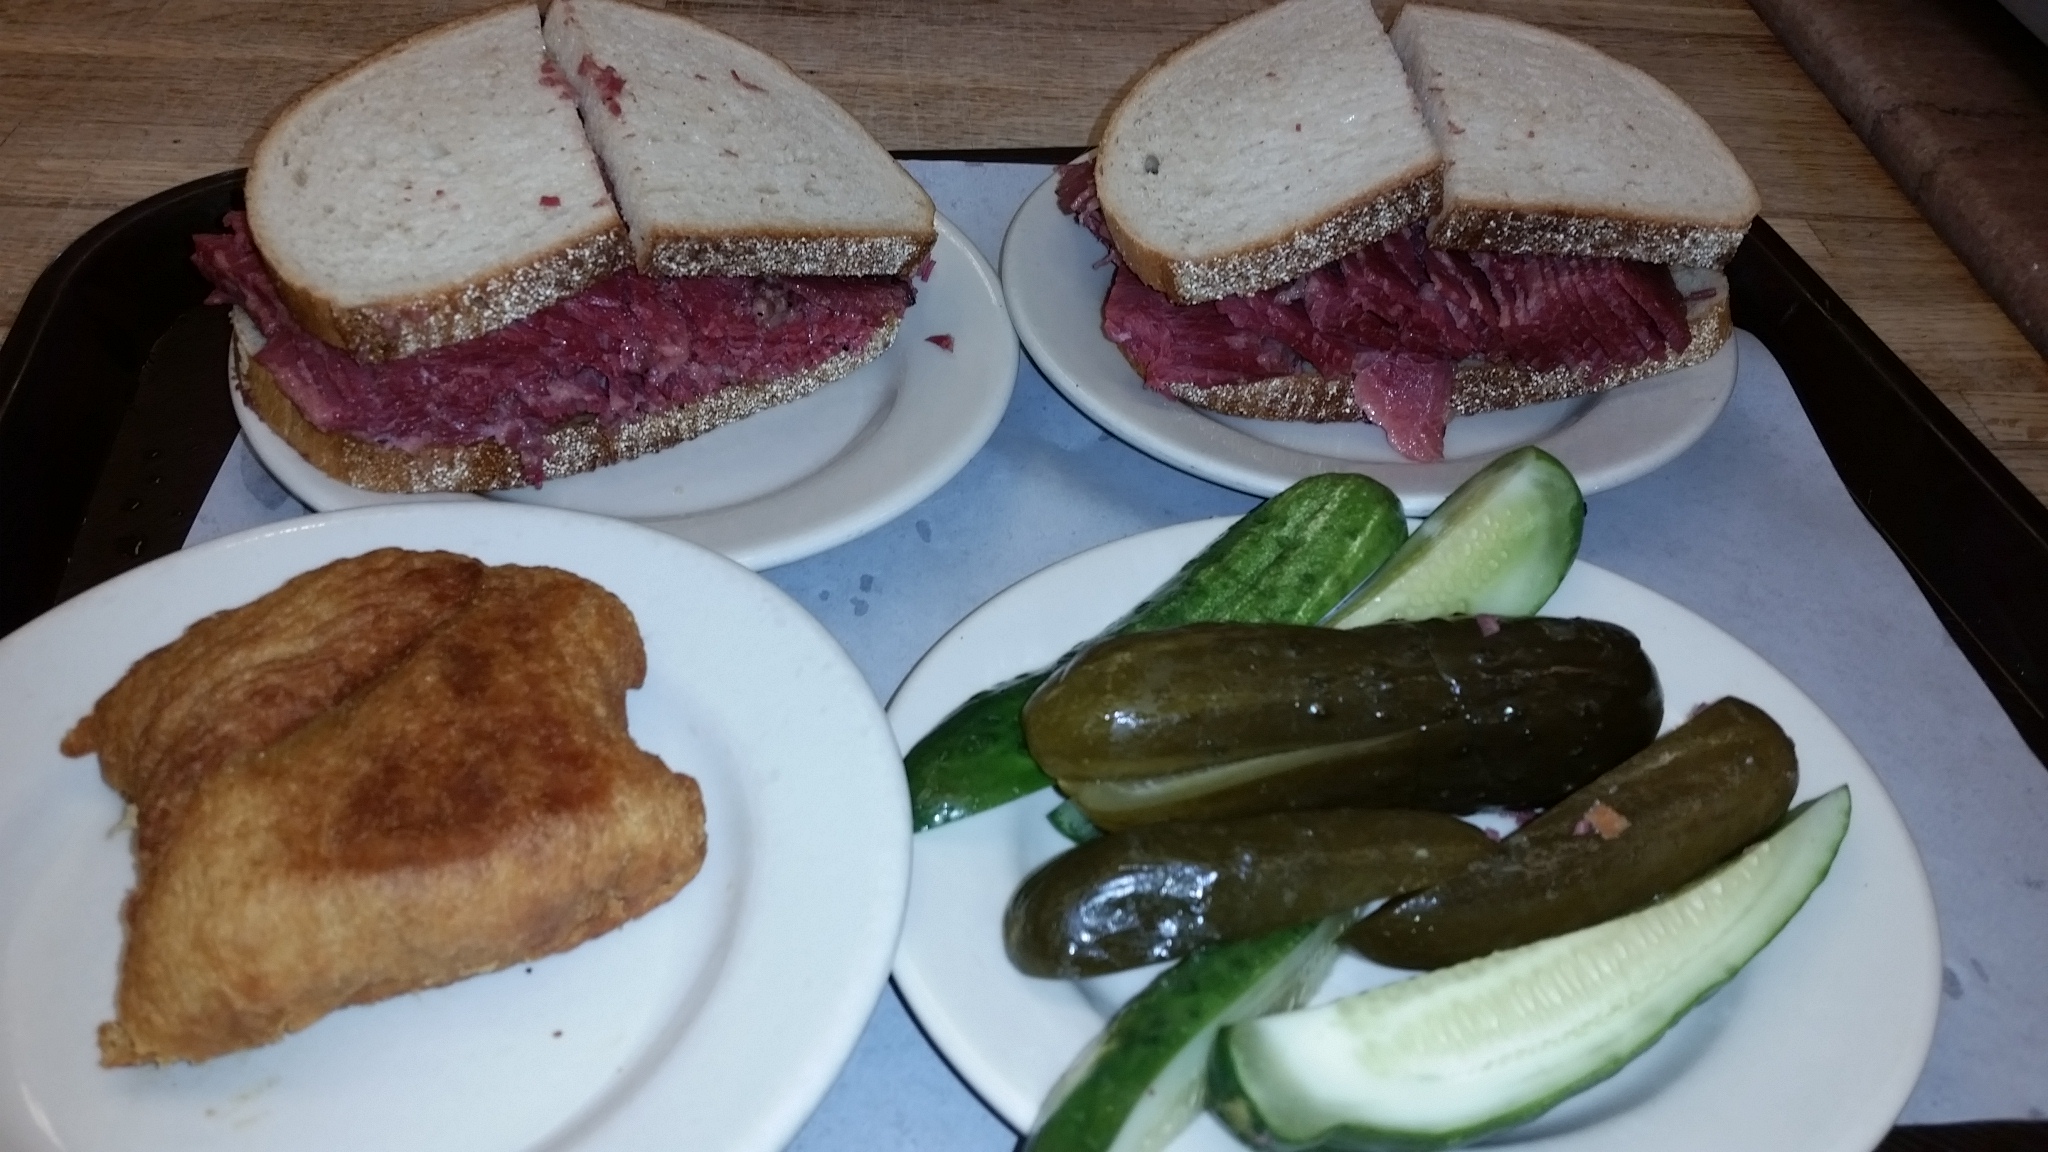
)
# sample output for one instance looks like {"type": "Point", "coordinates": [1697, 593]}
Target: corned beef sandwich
{"type": "Point", "coordinates": [1312, 220]}
{"type": "Point", "coordinates": [509, 250]}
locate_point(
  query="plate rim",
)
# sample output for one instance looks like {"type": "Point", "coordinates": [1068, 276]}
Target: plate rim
{"type": "Point", "coordinates": [726, 529]}
{"type": "Point", "coordinates": [1176, 434]}
{"type": "Point", "coordinates": [620, 1113]}
{"type": "Point", "coordinates": [1876, 812]}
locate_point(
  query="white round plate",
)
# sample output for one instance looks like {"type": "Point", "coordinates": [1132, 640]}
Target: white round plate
{"type": "Point", "coordinates": [1812, 1048]}
{"type": "Point", "coordinates": [1055, 278]}
{"type": "Point", "coordinates": [716, 1020]}
{"type": "Point", "coordinates": [799, 478]}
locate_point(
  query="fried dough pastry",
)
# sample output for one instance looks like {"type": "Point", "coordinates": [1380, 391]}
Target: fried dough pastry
{"type": "Point", "coordinates": [391, 773]}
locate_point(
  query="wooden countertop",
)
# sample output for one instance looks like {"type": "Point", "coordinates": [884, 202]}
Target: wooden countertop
{"type": "Point", "coordinates": [104, 102]}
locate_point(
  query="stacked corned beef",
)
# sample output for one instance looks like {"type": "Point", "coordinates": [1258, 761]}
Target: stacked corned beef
{"type": "Point", "coordinates": [628, 345]}
{"type": "Point", "coordinates": [1395, 318]}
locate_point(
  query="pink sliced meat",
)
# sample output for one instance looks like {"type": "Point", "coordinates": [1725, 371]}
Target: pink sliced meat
{"type": "Point", "coordinates": [624, 348]}
{"type": "Point", "coordinates": [605, 81]}
{"type": "Point", "coordinates": [1395, 317]}
{"type": "Point", "coordinates": [1192, 345]}
{"type": "Point", "coordinates": [1075, 195]}
{"type": "Point", "coordinates": [1408, 396]}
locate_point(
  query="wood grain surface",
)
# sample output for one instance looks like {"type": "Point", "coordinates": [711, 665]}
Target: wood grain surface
{"type": "Point", "coordinates": [103, 102]}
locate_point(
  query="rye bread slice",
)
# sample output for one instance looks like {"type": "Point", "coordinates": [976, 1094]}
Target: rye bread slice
{"type": "Point", "coordinates": [486, 466]}
{"type": "Point", "coordinates": [724, 161]}
{"type": "Point", "coordinates": [1551, 146]}
{"type": "Point", "coordinates": [433, 192]}
{"type": "Point", "coordinates": [1268, 147]}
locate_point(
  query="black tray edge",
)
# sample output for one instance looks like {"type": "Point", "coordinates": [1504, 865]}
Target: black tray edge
{"type": "Point", "coordinates": [74, 376]}
{"type": "Point", "coordinates": [1972, 536]}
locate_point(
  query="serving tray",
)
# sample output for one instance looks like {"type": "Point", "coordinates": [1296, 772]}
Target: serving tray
{"type": "Point", "coordinates": [114, 421]}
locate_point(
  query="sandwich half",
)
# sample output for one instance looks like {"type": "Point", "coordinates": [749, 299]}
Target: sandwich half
{"type": "Point", "coordinates": [1513, 218]}
{"type": "Point", "coordinates": [501, 253]}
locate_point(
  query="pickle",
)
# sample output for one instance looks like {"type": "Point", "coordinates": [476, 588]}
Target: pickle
{"type": "Point", "coordinates": [1443, 1059]}
{"type": "Point", "coordinates": [1291, 559]}
{"type": "Point", "coordinates": [1700, 794]}
{"type": "Point", "coordinates": [1158, 892]}
{"type": "Point", "coordinates": [1213, 721]}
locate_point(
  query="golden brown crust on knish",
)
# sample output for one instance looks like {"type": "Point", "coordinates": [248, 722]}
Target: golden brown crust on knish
{"type": "Point", "coordinates": [182, 711]}
{"type": "Point", "coordinates": [488, 466]}
{"type": "Point", "coordinates": [1481, 386]}
{"type": "Point", "coordinates": [476, 803]}
{"type": "Point", "coordinates": [786, 253]}
{"type": "Point", "coordinates": [391, 330]}
{"type": "Point", "coordinates": [1256, 268]}
{"type": "Point", "coordinates": [1535, 231]}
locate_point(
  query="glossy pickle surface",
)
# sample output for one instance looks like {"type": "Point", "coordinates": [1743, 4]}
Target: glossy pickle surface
{"type": "Point", "coordinates": [1701, 793]}
{"type": "Point", "coordinates": [1160, 891]}
{"type": "Point", "coordinates": [1214, 721]}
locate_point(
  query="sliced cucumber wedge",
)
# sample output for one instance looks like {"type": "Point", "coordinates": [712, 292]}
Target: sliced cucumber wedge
{"type": "Point", "coordinates": [1139, 1083]}
{"type": "Point", "coordinates": [1447, 1057]}
{"type": "Point", "coordinates": [1498, 546]}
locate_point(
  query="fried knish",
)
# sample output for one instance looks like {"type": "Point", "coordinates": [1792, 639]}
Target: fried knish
{"type": "Point", "coordinates": [242, 678]}
{"type": "Point", "coordinates": [476, 803]}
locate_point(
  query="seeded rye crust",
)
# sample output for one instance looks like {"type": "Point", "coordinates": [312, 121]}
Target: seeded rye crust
{"type": "Point", "coordinates": [389, 330]}
{"type": "Point", "coordinates": [581, 446]}
{"type": "Point", "coordinates": [772, 253]}
{"type": "Point", "coordinates": [1479, 385]}
{"type": "Point", "coordinates": [1524, 231]}
{"type": "Point", "coordinates": [384, 331]}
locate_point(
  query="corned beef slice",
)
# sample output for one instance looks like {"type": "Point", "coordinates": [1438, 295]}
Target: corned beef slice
{"type": "Point", "coordinates": [1395, 317]}
{"type": "Point", "coordinates": [626, 347]}
{"type": "Point", "coordinates": [1075, 194]}
{"type": "Point", "coordinates": [1199, 344]}
{"type": "Point", "coordinates": [1407, 395]}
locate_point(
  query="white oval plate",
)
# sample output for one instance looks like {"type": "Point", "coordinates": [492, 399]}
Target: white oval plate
{"type": "Point", "coordinates": [799, 478]}
{"type": "Point", "coordinates": [1812, 1048]}
{"type": "Point", "coordinates": [716, 1019]}
{"type": "Point", "coordinates": [1054, 279]}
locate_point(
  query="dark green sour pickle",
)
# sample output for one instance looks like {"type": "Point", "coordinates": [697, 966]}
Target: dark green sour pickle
{"type": "Point", "coordinates": [1703, 792]}
{"type": "Point", "coordinates": [1214, 721]}
{"type": "Point", "coordinates": [1161, 891]}
{"type": "Point", "coordinates": [1291, 559]}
